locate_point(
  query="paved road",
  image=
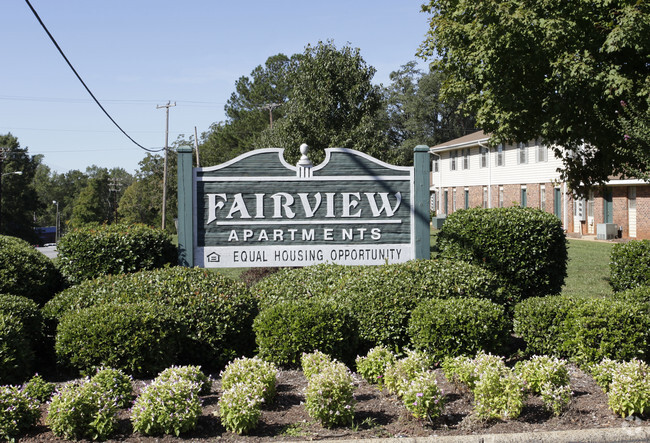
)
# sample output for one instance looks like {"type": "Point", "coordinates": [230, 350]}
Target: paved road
{"type": "Point", "coordinates": [49, 251]}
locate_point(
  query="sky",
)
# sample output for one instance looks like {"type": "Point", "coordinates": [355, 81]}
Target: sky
{"type": "Point", "coordinates": [135, 55]}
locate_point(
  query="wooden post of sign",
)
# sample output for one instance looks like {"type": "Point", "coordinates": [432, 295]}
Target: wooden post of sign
{"type": "Point", "coordinates": [185, 209]}
{"type": "Point", "coordinates": [421, 217]}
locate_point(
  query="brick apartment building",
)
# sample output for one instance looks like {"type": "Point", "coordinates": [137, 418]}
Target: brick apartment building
{"type": "Point", "coordinates": [466, 173]}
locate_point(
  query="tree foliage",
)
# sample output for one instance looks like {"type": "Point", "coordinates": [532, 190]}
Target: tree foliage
{"type": "Point", "coordinates": [418, 115]}
{"type": "Point", "coordinates": [332, 103]}
{"type": "Point", "coordinates": [561, 71]}
{"type": "Point", "coordinates": [19, 199]}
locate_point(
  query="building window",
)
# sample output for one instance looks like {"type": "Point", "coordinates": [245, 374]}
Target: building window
{"type": "Point", "coordinates": [485, 197]}
{"type": "Point", "coordinates": [501, 196]}
{"type": "Point", "coordinates": [522, 154]}
{"type": "Point", "coordinates": [500, 161]}
{"type": "Point", "coordinates": [524, 197]}
{"type": "Point", "coordinates": [466, 198]}
{"type": "Point", "coordinates": [542, 197]}
{"type": "Point", "coordinates": [453, 200]}
{"type": "Point", "coordinates": [542, 153]}
{"type": "Point", "coordinates": [466, 159]}
{"type": "Point", "coordinates": [434, 165]}
{"type": "Point", "coordinates": [452, 157]}
{"type": "Point", "coordinates": [484, 156]}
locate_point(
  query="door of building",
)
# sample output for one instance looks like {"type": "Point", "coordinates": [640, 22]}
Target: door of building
{"type": "Point", "coordinates": [608, 206]}
{"type": "Point", "coordinates": [557, 203]}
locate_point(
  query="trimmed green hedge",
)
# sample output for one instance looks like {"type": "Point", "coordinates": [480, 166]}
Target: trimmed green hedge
{"type": "Point", "coordinates": [93, 251]}
{"type": "Point", "coordinates": [284, 331]}
{"type": "Point", "coordinates": [585, 330]}
{"type": "Point", "coordinates": [616, 329]}
{"type": "Point", "coordinates": [458, 326]}
{"type": "Point", "coordinates": [140, 338]}
{"type": "Point", "coordinates": [540, 321]}
{"type": "Point", "coordinates": [217, 312]}
{"type": "Point", "coordinates": [26, 272]}
{"type": "Point", "coordinates": [381, 298]}
{"type": "Point", "coordinates": [527, 247]}
{"type": "Point", "coordinates": [630, 265]}
{"type": "Point", "coordinates": [16, 354]}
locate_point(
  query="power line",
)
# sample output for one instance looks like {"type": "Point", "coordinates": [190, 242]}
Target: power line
{"type": "Point", "coordinates": [83, 83]}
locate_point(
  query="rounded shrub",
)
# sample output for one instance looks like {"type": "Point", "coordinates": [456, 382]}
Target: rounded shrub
{"type": "Point", "coordinates": [527, 247]}
{"type": "Point", "coordinates": [16, 354]}
{"type": "Point", "coordinates": [116, 382]}
{"type": "Point", "coordinates": [540, 322]}
{"type": "Point", "coordinates": [638, 294]}
{"type": "Point", "coordinates": [458, 326]}
{"type": "Point", "coordinates": [26, 272]}
{"type": "Point", "coordinates": [190, 373]}
{"type": "Point", "coordinates": [91, 251]}
{"type": "Point", "coordinates": [599, 328]}
{"type": "Point", "coordinates": [382, 297]}
{"type": "Point", "coordinates": [285, 331]}
{"type": "Point", "coordinates": [630, 265]}
{"type": "Point", "coordinates": [139, 338]}
{"type": "Point", "coordinates": [38, 389]}
{"type": "Point", "coordinates": [217, 312]}
{"type": "Point", "coordinates": [27, 312]}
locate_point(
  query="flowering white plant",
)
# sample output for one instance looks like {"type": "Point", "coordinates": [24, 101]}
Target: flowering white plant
{"type": "Point", "coordinates": [329, 396]}
{"type": "Point", "coordinates": [239, 407]}
{"type": "Point", "coordinates": [251, 371]}
{"type": "Point", "coordinates": [422, 397]}
{"type": "Point", "coordinates": [548, 377]}
{"type": "Point", "coordinates": [373, 366]}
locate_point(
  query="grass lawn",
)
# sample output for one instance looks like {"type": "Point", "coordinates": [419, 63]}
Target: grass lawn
{"type": "Point", "coordinates": [588, 269]}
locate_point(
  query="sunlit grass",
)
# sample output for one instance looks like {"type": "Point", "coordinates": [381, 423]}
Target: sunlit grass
{"type": "Point", "coordinates": [588, 269]}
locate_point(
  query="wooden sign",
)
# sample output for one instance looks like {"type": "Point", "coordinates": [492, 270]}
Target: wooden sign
{"type": "Point", "coordinates": [259, 211]}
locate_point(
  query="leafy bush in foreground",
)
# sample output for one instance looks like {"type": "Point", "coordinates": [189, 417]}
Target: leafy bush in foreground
{"type": "Point", "coordinates": [527, 247]}
{"type": "Point", "coordinates": [458, 326]}
{"type": "Point", "coordinates": [38, 389]}
{"type": "Point", "coordinates": [373, 366]}
{"type": "Point", "coordinates": [16, 354]}
{"type": "Point", "coordinates": [19, 412]}
{"type": "Point", "coordinates": [167, 407]}
{"type": "Point", "coordinates": [627, 385]}
{"type": "Point", "coordinates": [91, 251]}
{"type": "Point", "coordinates": [216, 312]}
{"type": "Point", "coordinates": [26, 272]}
{"type": "Point", "coordinates": [83, 410]}
{"type": "Point", "coordinates": [329, 396]}
{"type": "Point", "coordinates": [285, 331]}
{"type": "Point", "coordinates": [630, 265]}
{"type": "Point", "coordinates": [139, 338]}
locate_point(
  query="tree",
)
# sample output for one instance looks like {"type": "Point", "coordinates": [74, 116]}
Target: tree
{"type": "Point", "coordinates": [19, 201]}
{"type": "Point", "coordinates": [555, 70]}
{"type": "Point", "coordinates": [417, 114]}
{"type": "Point", "coordinates": [332, 103]}
{"type": "Point", "coordinates": [97, 201]}
{"type": "Point", "coordinates": [142, 200]}
{"type": "Point", "coordinates": [257, 99]}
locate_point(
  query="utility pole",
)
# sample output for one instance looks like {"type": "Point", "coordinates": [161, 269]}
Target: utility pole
{"type": "Point", "coordinates": [164, 196]}
{"type": "Point", "coordinates": [196, 147]}
{"type": "Point", "coordinates": [270, 107]}
{"type": "Point", "coordinates": [114, 187]}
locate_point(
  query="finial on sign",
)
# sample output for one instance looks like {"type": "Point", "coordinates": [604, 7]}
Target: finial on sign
{"type": "Point", "coordinates": [304, 159]}
{"type": "Point", "coordinates": [304, 164]}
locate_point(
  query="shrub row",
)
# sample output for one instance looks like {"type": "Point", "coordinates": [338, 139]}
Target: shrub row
{"type": "Point", "coordinates": [379, 300]}
{"type": "Point", "coordinates": [148, 320]}
{"type": "Point", "coordinates": [91, 251]}
{"type": "Point", "coordinates": [585, 330]}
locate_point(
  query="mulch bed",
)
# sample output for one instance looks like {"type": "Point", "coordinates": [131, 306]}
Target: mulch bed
{"type": "Point", "coordinates": [379, 414]}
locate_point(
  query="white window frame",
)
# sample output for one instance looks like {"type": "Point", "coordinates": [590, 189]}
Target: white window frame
{"type": "Point", "coordinates": [522, 153]}
{"type": "Point", "coordinates": [501, 195]}
{"type": "Point", "coordinates": [452, 162]}
{"type": "Point", "coordinates": [435, 167]}
{"type": "Point", "coordinates": [485, 197]}
{"type": "Point", "coordinates": [542, 197]}
{"type": "Point", "coordinates": [453, 200]}
{"type": "Point", "coordinates": [465, 159]}
{"type": "Point", "coordinates": [499, 159]}
{"type": "Point", "coordinates": [542, 153]}
{"type": "Point", "coordinates": [484, 157]}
